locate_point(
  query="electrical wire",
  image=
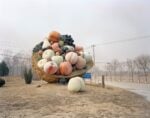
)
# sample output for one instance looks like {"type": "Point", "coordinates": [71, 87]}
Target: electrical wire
{"type": "Point", "coordinates": [121, 41]}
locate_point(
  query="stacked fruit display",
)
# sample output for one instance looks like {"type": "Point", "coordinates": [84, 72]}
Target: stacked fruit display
{"type": "Point", "coordinates": [58, 55]}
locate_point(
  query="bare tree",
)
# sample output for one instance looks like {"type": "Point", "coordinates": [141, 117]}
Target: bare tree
{"type": "Point", "coordinates": [121, 69]}
{"type": "Point", "coordinates": [15, 62]}
{"type": "Point", "coordinates": [109, 69]}
{"type": "Point", "coordinates": [7, 56]}
{"type": "Point", "coordinates": [96, 72]}
{"type": "Point", "coordinates": [131, 68]}
{"type": "Point", "coordinates": [20, 61]}
{"type": "Point", "coordinates": [137, 70]}
{"type": "Point", "coordinates": [115, 65]}
{"type": "Point", "coordinates": [143, 64]}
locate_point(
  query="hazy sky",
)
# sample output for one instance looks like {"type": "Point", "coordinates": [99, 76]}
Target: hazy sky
{"type": "Point", "coordinates": [23, 23]}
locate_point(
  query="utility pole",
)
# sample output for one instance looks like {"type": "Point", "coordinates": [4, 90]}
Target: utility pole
{"type": "Point", "coordinates": [93, 48]}
{"type": "Point", "coordinates": [103, 81]}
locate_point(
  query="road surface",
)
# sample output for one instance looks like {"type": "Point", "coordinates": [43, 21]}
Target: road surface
{"type": "Point", "coordinates": [141, 89]}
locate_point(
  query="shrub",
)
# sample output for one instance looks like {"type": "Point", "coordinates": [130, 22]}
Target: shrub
{"type": "Point", "coordinates": [28, 76]}
{"type": "Point", "coordinates": [2, 82]}
{"type": "Point", "coordinates": [4, 70]}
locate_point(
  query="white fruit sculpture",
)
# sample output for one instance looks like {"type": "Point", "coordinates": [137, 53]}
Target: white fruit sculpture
{"type": "Point", "coordinates": [47, 54]}
{"type": "Point", "coordinates": [41, 63]}
{"type": "Point", "coordinates": [82, 83]}
{"type": "Point", "coordinates": [57, 59]}
{"type": "Point", "coordinates": [76, 84]}
{"type": "Point", "coordinates": [86, 56]}
{"type": "Point", "coordinates": [81, 63]}
{"type": "Point", "coordinates": [50, 67]}
{"type": "Point", "coordinates": [46, 44]}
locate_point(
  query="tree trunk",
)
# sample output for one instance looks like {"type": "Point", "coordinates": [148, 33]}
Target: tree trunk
{"type": "Point", "coordinates": [132, 77]}
{"type": "Point", "coordinates": [110, 76]}
{"type": "Point", "coordinates": [145, 76]}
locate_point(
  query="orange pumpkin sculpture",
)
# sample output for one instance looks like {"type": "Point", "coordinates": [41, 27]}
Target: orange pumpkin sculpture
{"type": "Point", "coordinates": [56, 47]}
{"type": "Point", "coordinates": [65, 68]}
{"type": "Point", "coordinates": [54, 36]}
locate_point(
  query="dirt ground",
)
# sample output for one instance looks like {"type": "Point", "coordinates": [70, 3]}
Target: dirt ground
{"type": "Point", "coordinates": [18, 100]}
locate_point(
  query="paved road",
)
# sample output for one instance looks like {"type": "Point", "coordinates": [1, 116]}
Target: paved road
{"type": "Point", "coordinates": [141, 89]}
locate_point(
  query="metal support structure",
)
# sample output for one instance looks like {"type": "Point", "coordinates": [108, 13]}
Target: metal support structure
{"type": "Point", "coordinates": [93, 48]}
{"type": "Point", "coordinates": [103, 81]}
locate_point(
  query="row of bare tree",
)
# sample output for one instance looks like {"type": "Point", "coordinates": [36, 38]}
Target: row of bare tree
{"type": "Point", "coordinates": [16, 62]}
{"type": "Point", "coordinates": [140, 66]}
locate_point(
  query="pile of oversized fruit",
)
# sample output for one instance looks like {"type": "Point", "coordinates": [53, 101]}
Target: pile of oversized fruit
{"type": "Point", "coordinates": [60, 56]}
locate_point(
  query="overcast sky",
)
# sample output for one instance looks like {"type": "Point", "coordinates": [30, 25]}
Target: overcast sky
{"type": "Point", "coordinates": [23, 23]}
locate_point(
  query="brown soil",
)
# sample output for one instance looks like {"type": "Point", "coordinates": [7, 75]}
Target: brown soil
{"type": "Point", "coordinates": [18, 100]}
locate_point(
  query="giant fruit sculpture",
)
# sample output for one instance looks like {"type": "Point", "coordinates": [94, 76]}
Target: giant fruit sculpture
{"type": "Point", "coordinates": [58, 57]}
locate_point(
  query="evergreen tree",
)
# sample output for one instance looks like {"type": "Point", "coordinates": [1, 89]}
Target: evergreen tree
{"type": "Point", "coordinates": [4, 70]}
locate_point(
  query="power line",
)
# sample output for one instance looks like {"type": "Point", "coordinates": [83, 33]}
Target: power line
{"type": "Point", "coordinates": [116, 41]}
{"type": "Point", "coordinates": [126, 40]}
{"type": "Point", "coordinates": [121, 41]}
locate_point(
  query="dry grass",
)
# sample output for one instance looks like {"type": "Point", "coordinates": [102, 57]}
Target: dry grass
{"type": "Point", "coordinates": [18, 100]}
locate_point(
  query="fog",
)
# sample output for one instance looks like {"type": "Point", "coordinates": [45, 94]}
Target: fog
{"type": "Point", "coordinates": [23, 23]}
